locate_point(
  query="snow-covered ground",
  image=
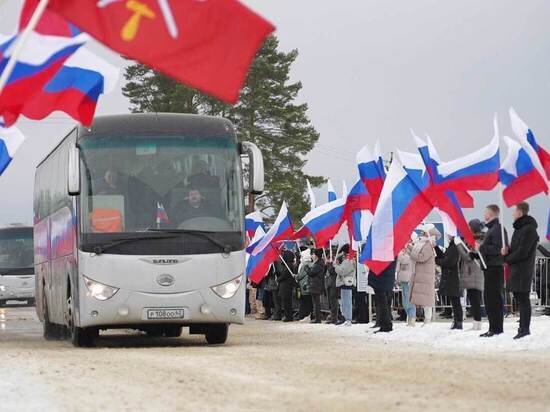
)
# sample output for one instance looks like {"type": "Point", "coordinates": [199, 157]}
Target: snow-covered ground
{"type": "Point", "coordinates": [437, 335]}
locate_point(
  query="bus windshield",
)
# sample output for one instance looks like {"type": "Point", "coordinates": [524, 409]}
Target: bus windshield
{"type": "Point", "coordinates": [16, 249]}
{"type": "Point", "coordinates": [141, 183]}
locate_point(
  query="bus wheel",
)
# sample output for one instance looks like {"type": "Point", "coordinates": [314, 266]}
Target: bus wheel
{"type": "Point", "coordinates": [51, 331]}
{"type": "Point", "coordinates": [216, 334]}
{"type": "Point", "coordinates": [2, 303]}
{"type": "Point", "coordinates": [80, 337]}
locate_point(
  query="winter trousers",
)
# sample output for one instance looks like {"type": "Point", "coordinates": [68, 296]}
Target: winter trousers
{"type": "Point", "coordinates": [407, 305]}
{"type": "Point", "coordinates": [457, 308]}
{"type": "Point", "coordinates": [305, 306]}
{"type": "Point", "coordinates": [316, 308]}
{"type": "Point", "coordinates": [524, 306]}
{"type": "Point", "coordinates": [494, 303]}
{"type": "Point", "coordinates": [383, 315]}
{"type": "Point", "coordinates": [332, 294]}
{"type": "Point", "coordinates": [474, 296]}
{"type": "Point", "coordinates": [347, 304]}
{"type": "Point", "coordinates": [285, 294]}
{"type": "Point", "coordinates": [361, 306]}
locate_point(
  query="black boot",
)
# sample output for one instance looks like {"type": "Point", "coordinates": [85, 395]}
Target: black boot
{"type": "Point", "coordinates": [457, 325]}
{"type": "Point", "coordinates": [522, 333]}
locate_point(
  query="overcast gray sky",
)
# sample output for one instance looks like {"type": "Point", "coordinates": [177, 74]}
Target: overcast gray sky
{"type": "Point", "coordinates": [374, 69]}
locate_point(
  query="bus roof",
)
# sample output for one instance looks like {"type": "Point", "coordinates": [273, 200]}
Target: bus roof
{"type": "Point", "coordinates": [140, 123]}
{"type": "Point", "coordinates": [16, 229]}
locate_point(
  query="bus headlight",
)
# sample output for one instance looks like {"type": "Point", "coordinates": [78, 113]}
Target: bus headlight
{"type": "Point", "coordinates": [228, 289]}
{"type": "Point", "coordinates": [98, 290]}
{"type": "Point", "coordinates": [3, 288]}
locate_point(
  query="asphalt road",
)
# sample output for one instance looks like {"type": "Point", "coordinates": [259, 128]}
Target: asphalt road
{"type": "Point", "coordinates": [264, 366]}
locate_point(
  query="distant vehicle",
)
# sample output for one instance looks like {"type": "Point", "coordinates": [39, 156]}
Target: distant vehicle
{"type": "Point", "coordinates": [139, 224]}
{"type": "Point", "coordinates": [16, 265]}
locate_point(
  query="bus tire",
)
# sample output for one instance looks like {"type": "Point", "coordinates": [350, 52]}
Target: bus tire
{"type": "Point", "coordinates": [83, 337]}
{"type": "Point", "coordinates": [216, 334]}
{"type": "Point", "coordinates": [2, 303]}
{"type": "Point", "coordinates": [51, 331]}
{"type": "Point", "coordinates": [80, 337]}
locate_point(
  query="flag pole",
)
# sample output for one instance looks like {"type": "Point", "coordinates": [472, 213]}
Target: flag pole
{"type": "Point", "coordinates": [20, 43]}
{"type": "Point", "coordinates": [501, 201]}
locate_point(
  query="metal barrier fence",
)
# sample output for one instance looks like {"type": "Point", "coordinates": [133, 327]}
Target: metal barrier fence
{"type": "Point", "coordinates": [540, 293]}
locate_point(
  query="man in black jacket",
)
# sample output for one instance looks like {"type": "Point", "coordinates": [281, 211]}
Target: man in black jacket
{"type": "Point", "coordinates": [285, 278]}
{"type": "Point", "coordinates": [315, 282]}
{"type": "Point", "coordinates": [521, 259]}
{"type": "Point", "coordinates": [490, 249]}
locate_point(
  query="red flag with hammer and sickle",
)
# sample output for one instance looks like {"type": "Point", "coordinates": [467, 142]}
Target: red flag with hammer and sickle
{"type": "Point", "coordinates": [206, 44]}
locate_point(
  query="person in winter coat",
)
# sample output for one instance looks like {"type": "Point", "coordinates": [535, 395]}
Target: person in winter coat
{"type": "Point", "coordinates": [423, 280]}
{"type": "Point", "coordinates": [346, 281]}
{"type": "Point", "coordinates": [316, 276]}
{"type": "Point", "coordinates": [404, 275]}
{"type": "Point", "coordinates": [332, 294]}
{"type": "Point", "coordinates": [471, 274]}
{"type": "Point", "coordinates": [521, 259]}
{"type": "Point", "coordinates": [285, 278]}
{"type": "Point", "coordinates": [490, 249]}
{"type": "Point", "coordinates": [305, 303]}
{"type": "Point", "coordinates": [272, 302]}
{"type": "Point", "coordinates": [449, 284]}
{"type": "Point", "coordinates": [383, 284]}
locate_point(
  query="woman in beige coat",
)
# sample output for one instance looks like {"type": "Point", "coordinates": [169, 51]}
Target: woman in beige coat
{"type": "Point", "coordinates": [423, 280]}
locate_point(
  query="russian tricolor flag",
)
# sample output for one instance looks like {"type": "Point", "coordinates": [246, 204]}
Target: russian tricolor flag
{"type": "Point", "coordinates": [519, 175]}
{"type": "Point", "coordinates": [539, 156]}
{"type": "Point", "coordinates": [41, 58]}
{"type": "Point", "coordinates": [76, 86]}
{"type": "Point", "coordinates": [162, 216]}
{"type": "Point", "coordinates": [10, 140]}
{"type": "Point", "coordinates": [476, 171]}
{"type": "Point", "coordinates": [401, 207]}
{"type": "Point", "coordinates": [282, 229]}
{"type": "Point", "coordinates": [252, 222]}
{"type": "Point", "coordinates": [358, 211]}
{"type": "Point", "coordinates": [258, 265]}
{"type": "Point", "coordinates": [371, 169]}
{"type": "Point", "coordinates": [323, 222]}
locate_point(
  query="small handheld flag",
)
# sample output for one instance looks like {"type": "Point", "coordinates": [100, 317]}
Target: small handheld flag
{"type": "Point", "coordinates": [162, 216]}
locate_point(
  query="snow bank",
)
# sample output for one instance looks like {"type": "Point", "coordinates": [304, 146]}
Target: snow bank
{"type": "Point", "coordinates": [438, 336]}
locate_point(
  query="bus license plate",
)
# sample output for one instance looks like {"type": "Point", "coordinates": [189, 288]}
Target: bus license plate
{"type": "Point", "coordinates": [166, 313]}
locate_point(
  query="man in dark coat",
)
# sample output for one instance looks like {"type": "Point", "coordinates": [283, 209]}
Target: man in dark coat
{"type": "Point", "coordinates": [449, 284]}
{"type": "Point", "coordinates": [315, 285]}
{"type": "Point", "coordinates": [285, 278]}
{"type": "Point", "coordinates": [521, 259]}
{"type": "Point", "coordinates": [332, 294]}
{"type": "Point", "coordinates": [490, 249]}
{"type": "Point", "coordinates": [383, 284]}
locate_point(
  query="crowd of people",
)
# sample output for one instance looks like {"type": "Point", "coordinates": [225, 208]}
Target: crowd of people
{"type": "Point", "coordinates": [319, 285]}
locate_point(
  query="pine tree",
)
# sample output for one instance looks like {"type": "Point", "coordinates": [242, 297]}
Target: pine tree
{"type": "Point", "coordinates": [266, 114]}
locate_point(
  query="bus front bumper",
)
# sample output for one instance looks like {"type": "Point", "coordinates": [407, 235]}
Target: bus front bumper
{"type": "Point", "coordinates": [127, 308]}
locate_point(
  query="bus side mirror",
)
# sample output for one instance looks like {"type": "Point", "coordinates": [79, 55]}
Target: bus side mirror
{"type": "Point", "coordinates": [256, 171]}
{"type": "Point", "coordinates": [73, 183]}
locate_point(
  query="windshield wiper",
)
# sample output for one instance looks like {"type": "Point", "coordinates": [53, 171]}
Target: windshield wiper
{"type": "Point", "coordinates": [99, 249]}
{"type": "Point", "coordinates": [202, 233]}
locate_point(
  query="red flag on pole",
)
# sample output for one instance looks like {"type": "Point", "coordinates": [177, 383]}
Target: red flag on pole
{"type": "Point", "coordinates": [206, 44]}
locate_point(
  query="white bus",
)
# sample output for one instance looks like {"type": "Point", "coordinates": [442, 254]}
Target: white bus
{"type": "Point", "coordinates": [139, 224]}
{"type": "Point", "coordinates": [16, 264]}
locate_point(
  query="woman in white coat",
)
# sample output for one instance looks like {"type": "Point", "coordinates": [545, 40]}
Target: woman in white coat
{"type": "Point", "coordinates": [422, 253]}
